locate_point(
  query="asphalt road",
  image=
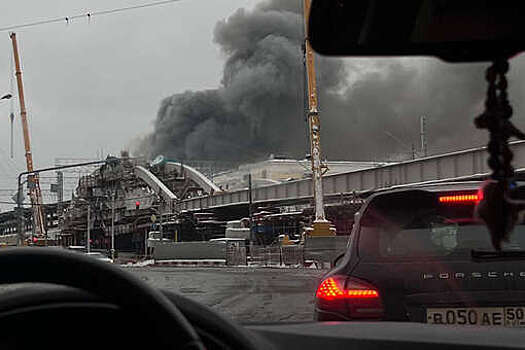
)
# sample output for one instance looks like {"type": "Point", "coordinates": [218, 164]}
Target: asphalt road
{"type": "Point", "coordinates": [244, 294]}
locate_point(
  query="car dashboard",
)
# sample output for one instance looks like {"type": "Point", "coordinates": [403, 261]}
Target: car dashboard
{"type": "Point", "coordinates": [386, 335]}
{"type": "Point", "coordinates": [57, 317]}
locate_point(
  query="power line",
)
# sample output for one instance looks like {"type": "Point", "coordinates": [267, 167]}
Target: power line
{"type": "Point", "coordinates": [88, 15]}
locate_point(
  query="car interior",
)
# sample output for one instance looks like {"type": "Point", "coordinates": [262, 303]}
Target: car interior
{"type": "Point", "coordinates": [64, 292]}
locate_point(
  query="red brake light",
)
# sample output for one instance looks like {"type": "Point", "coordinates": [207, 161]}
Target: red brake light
{"type": "Point", "coordinates": [330, 290]}
{"type": "Point", "coordinates": [461, 198]}
{"type": "Point", "coordinates": [365, 293]}
{"type": "Point", "coordinates": [480, 194]}
{"type": "Point", "coordinates": [340, 297]}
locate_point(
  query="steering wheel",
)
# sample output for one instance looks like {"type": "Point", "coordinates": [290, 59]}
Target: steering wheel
{"type": "Point", "coordinates": [47, 265]}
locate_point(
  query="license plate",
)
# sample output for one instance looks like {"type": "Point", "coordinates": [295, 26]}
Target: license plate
{"type": "Point", "coordinates": [511, 316]}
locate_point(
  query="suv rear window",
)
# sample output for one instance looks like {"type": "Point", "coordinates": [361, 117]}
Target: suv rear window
{"type": "Point", "coordinates": [416, 224]}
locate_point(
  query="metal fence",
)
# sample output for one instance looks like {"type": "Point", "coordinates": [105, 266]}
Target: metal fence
{"type": "Point", "coordinates": [236, 254]}
{"type": "Point", "coordinates": [188, 250]}
{"type": "Point", "coordinates": [320, 252]}
{"type": "Point", "coordinates": [292, 255]}
{"type": "Point", "coordinates": [265, 256]}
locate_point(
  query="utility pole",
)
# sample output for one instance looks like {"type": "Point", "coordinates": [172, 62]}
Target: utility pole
{"type": "Point", "coordinates": [33, 183]}
{"type": "Point", "coordinates": [321, 226]}
{"type": "Point", "coordinates": [88, 235]}
{"type": "Point", "coordinates": [60, 186]}
{"type": "Point", "coordinates": [145, 245]}
{"type": "Point", "coordinates": [422, 133]}
{"type": "Point", "coordinates": [113, 225]}
{"type": "Point", "coordinates": [250, 210]}
{"type": "Point", "coordinates": [161, 229]}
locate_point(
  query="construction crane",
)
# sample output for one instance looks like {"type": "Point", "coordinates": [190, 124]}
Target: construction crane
{"type": "Point", "coordinates": [321, 226]}
{"type": "Point", "coordinates": [33, 182]}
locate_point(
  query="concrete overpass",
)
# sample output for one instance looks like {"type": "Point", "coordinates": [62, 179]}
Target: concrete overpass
{"type": "Point", "coordinates": [455, 165]}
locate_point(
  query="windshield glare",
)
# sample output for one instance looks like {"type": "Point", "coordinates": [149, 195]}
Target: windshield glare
{"type": "Point", "coordinates": [416, 224]}
{"type": "Point", "coordinates": [428, 241]}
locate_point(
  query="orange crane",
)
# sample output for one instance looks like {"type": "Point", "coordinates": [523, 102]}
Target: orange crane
{"type": "Point", "coordinates": [32, 181]}
{"type": "Point", "coordinates": [321, 226]}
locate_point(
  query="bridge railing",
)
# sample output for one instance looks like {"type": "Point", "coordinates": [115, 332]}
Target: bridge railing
{"type": "Point", "coordinates": [455, 165]}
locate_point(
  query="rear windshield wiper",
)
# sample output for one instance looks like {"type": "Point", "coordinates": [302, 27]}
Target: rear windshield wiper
{"type": "Point", "coordinates": [497, 255]}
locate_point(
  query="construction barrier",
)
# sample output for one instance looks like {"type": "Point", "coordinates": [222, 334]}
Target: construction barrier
{"type": "Point", "coordinates": [189, 250]}
{"type": "Point", "coordinates": [190, 263]}
{"type": "Point", "coordinates": [318, 251]}
{"type": "Point", "coordinates": [292, 255]}
{"type": "Point", "coordinates": [258, 255]}
{"type": "Point", "coordinates": [324, 250]}
{"type": "Point", "coordinates": [265, 255]}
{"type": "Point", "coordinates": [236, 254]}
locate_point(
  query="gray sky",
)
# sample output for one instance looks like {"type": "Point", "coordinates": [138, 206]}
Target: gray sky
{"type": "Point", "coordinates": [98, 85]}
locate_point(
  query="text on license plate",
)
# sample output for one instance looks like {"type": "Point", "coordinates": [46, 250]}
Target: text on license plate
{"type": "Point", "coordinates": [485, 316]}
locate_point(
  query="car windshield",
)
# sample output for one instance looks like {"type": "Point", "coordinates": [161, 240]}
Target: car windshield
{"type": "Point", "coordinates": [205, 148]}
{"type": "Point", "coordinates": [412, 224]}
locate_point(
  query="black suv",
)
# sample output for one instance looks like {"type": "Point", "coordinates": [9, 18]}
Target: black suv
{"type": "Point", "coordinates": [420, 254]}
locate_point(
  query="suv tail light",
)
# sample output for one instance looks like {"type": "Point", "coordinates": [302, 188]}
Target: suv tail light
{"type": "Point", "coordinates": [461, 198]}
{"type": "Point", "coordinates": [341, 297]}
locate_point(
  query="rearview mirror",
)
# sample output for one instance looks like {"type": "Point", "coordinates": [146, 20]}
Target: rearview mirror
{"type": "Point", "coordinates": [455, 31]}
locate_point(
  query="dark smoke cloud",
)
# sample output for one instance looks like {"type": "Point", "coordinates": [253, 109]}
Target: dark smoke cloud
{"type": "Point", "coordinates": [370, 109]}
{"type": "Point", "coordinates": [378, 115]}
{"type": "Point", "coordinates": [258, 109]}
